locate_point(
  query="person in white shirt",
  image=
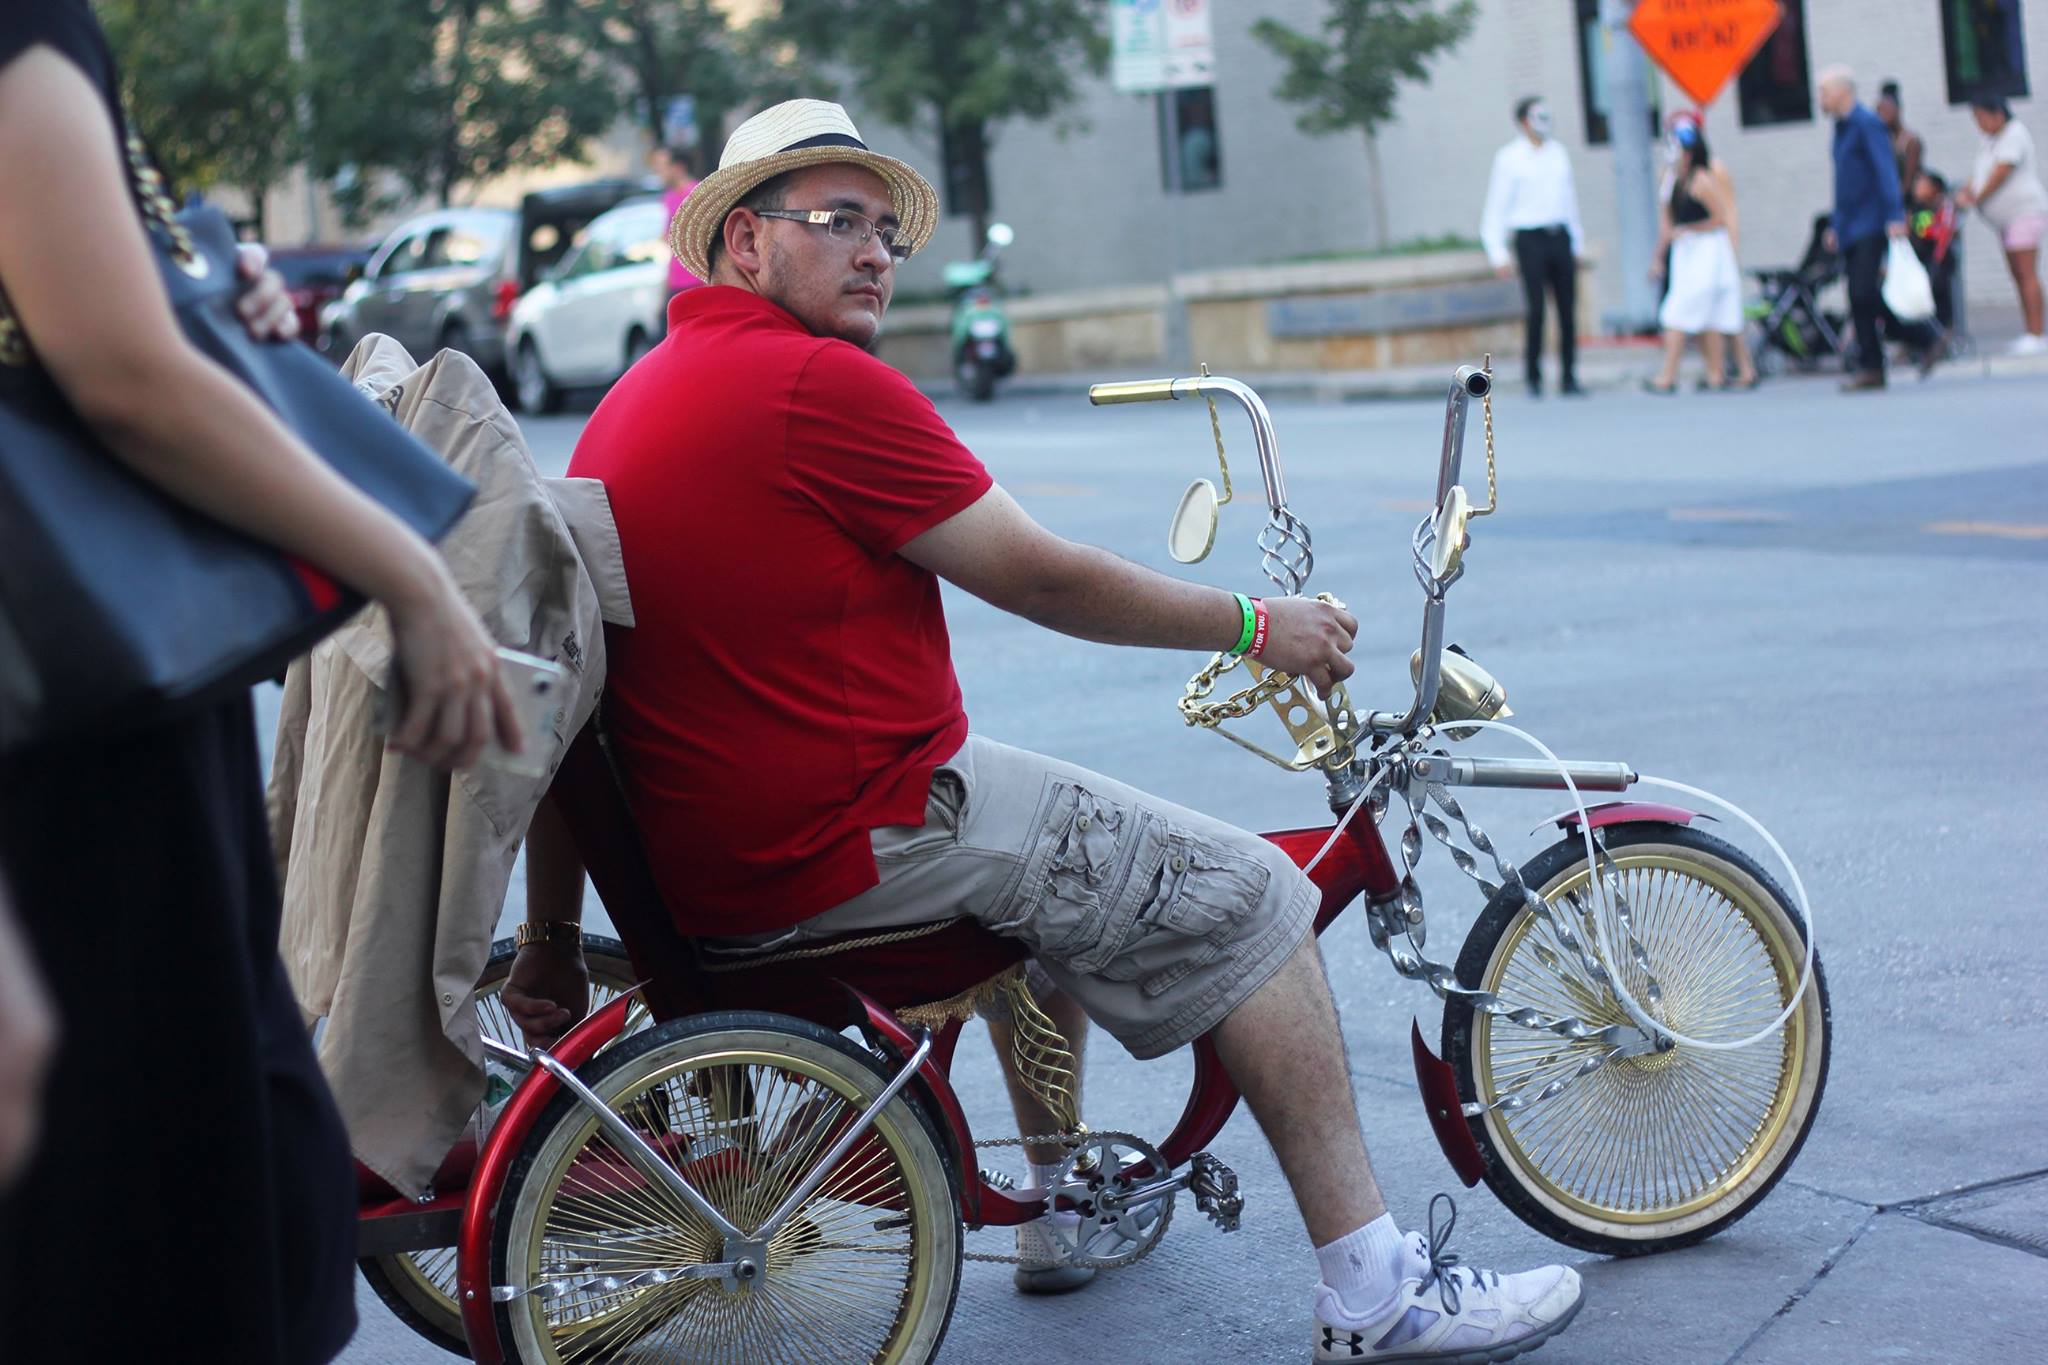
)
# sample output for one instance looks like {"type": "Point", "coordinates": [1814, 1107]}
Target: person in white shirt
{"type": "Point", "coordinates": [1532, 210]}
{"type": "Point", "coordinates": [2006, 187]}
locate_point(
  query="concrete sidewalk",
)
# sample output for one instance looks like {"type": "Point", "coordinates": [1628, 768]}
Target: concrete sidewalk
{"type": "Point", "coordinates": [1605, 365]}
{"type": "Point", "coordinates": [1601, 369]}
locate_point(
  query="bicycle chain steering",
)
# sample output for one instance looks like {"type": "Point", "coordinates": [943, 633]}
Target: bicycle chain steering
{"type": "Point", "coordinates": [1196, 709]}
{"type": "Point", "coordinates": [1486, 406]}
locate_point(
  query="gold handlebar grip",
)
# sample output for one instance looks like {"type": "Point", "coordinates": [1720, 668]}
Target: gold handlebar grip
{"type": "Point", "coordinates": [1132, 391]}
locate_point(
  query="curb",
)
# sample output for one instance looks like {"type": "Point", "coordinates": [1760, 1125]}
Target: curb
{"type": "Point", "coordinates": [1358, 386]}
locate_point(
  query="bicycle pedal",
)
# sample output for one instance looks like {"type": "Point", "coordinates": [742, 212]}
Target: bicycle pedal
{"type": "Point", "coordinates": [1214, 1186]}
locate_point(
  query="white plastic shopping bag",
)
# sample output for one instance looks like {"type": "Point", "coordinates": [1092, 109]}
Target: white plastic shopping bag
{"type": "Point", "coordinates": [1907, 290]}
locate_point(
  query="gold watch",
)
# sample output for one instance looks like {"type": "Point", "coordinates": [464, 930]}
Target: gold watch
{"type": "Point", "coordinates": [556, 933]}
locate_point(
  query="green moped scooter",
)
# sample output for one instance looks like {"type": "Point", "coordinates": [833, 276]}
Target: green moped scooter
{"type": "Point", "coordinates": [980, 343]}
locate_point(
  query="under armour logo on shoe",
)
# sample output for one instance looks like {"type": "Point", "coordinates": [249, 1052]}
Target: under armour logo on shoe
{"type": "Point", "coordinates": [1352, 1343]}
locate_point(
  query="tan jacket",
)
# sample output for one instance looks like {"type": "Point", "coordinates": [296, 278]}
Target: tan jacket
{"type": "Point", "coordinates": [394, 874]}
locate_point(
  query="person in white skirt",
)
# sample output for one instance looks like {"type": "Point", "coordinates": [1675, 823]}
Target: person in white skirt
{"type": "Point", "coordinates": [1704, 299]}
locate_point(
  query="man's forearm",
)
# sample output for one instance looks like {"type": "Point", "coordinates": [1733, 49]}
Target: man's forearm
{"type": "Point", "coordinates": [1098, 596]}
{"type": "Point", "coordinates": [554, 871]}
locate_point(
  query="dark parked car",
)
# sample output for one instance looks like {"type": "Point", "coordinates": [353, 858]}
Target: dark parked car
{"type": "Point", "coordinates": [448, 279]}
{"type": "Point", "coordinates": [316, 277]}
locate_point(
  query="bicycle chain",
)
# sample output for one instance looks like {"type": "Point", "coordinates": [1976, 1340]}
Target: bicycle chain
{"type": "Point", "coordinates": [1068, 1141]}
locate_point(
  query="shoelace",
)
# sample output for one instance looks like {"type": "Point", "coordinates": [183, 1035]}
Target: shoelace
{"type": "Point", "coordinates": [1444, 1266]}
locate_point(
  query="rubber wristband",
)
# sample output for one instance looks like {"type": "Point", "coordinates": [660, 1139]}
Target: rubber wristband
{"type": "Point", "coordinates": [1251, 622]}
{"type": "Point", "coordinates": [1258, 628]}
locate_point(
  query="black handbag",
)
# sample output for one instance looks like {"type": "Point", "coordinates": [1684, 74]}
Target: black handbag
{"type": "Point", "coordinates": [119, 605]}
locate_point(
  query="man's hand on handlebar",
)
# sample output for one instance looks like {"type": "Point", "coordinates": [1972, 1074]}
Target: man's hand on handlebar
{"type": "Point", "coordinates": [1309, 639]}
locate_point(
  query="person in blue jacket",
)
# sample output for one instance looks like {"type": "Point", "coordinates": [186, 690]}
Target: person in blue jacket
{"type": "Point", "coordinates": [1868, 210]}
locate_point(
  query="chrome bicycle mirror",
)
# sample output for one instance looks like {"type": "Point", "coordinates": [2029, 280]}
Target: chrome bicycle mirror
{"type": "Point", "coordinates": [1193, 532]}
{"type": "Point", "coordinates": [1448, 548]}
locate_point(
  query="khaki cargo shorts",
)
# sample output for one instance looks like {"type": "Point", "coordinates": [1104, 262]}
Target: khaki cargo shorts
{"type": "Point", "coordinates": [1156, 919]}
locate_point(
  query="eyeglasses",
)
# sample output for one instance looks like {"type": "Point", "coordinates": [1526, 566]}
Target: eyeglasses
{"type": "Point", "coordinates": [847, 226]}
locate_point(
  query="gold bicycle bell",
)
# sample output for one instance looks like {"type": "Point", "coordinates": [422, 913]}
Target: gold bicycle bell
{"type": "Point", "coordinates": [1466, 692]}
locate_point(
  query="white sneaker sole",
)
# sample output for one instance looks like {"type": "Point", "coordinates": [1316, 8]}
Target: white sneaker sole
{"type": "Point", "coordinates": [1484, 1355]}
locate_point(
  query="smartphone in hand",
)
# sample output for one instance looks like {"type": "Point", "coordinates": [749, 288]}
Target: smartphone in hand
{"type": "Point", "coordinates": [539, 691]}
{"type": "Point", "coordinates": [538, 688]}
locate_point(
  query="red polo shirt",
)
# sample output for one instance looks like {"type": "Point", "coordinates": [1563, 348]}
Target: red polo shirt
{"type": "Point", "coordinates": [788, 685]}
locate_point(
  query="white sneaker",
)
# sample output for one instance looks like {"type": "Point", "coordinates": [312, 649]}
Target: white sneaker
{"type": "Point", "coordinates": [1044, 1267]}
{"type": "Point", "coordinates": [1448, 1312]}
{"type": "Point", "coordinates": [2028, 343]}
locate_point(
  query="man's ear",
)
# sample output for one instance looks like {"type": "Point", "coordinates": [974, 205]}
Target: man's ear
{"type": "Point", "coordinates": [743, 244]}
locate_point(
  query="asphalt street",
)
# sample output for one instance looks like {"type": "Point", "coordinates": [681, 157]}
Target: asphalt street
{"type": "Point", "coordinates": [1829, 610]}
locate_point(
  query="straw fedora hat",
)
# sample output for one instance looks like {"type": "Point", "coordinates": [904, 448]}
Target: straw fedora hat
{"type": "Point", "coordinates": [787, 137]}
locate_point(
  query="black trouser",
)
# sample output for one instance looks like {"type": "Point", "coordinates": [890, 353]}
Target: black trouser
{"type": "Point", "coordinates": [1864, 260]}
{"type": "Point", "coordinates": [1545, 257]}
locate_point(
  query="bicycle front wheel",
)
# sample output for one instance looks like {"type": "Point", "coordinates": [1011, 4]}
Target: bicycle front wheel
{"type": "Point", "coordinates": [1661, 1150]}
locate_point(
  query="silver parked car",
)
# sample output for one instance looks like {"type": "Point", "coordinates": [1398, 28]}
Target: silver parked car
{"type": "Point", "coordinates": [598, 310]}
{"type": "Point", "coordinates": [448, 279]}
{"type": "Point", "coordinates": [442, 280]}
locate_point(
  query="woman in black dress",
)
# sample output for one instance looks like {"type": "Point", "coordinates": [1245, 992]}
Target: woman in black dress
{"type": "Point", "coordinates": [191, 1198]}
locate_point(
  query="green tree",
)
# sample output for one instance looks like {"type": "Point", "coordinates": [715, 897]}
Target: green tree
{"type": "Point", "coordinates": [958, 67]}
{"type": "Point", "coordinates": [442, 92]}
{"type": "Point", "coordinates": [667, 48]}
{"type": "Point", "coordinates": [1350, 76]}
{"type": "Point", "coordinates": [209, 85]}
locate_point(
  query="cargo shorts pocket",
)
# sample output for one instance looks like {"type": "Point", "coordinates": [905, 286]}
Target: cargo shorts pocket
{"type": "Point", "coordinates": [1076, 900]}
{"type": "Point", "coordinates": [1189, 912]}
{"type": "Point", "coordinates": [945, 815]}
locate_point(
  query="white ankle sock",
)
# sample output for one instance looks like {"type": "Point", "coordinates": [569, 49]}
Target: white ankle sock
{"type": "Point", "coordinates": [1041, 1176]}
{"type": "Point", "coordinates": [1362, 1268]}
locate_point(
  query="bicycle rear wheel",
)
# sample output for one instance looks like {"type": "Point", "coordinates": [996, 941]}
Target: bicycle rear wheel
{"type": "Point", "coordinates": [419, 1286]}
{"type": "Point", "coordinates": [866, 1268]}
{"type": "Point", "coordinates": [1666, 1149]}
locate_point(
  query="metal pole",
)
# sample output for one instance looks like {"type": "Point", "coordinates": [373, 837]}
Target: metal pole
{"type": "Point", "coordinates": [302, 102]}
{"type": "Point", "coordinates": [1178, 343]}
{"type": "Point", "coordinates": [1635, 184]}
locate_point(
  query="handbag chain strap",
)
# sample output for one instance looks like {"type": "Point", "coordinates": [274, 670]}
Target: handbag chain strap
{"type": "Point", "coordinates": [154, 199]}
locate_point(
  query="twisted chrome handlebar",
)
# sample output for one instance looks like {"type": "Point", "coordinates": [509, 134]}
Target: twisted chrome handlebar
{"type": "Point", "coordinates": [1467, 383]}
{"type": "Point", "coordinates": [1161, 390]}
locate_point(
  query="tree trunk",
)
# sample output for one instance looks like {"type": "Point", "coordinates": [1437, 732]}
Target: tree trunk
{"type": "Point", "coordinates": [1376, 187]}
{"type": "Point", "coordinates": [963, 147]}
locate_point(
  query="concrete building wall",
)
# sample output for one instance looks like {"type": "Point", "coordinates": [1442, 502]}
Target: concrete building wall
{"type": "Point", "coordinates": [1090, 210]}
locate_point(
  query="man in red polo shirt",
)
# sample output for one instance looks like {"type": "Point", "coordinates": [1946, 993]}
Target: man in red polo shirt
{"type": "Point", "coordinates": [798, 759]}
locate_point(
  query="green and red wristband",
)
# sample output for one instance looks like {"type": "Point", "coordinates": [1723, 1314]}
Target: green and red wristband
{"type": "Point", "coordinates": [1252, 639]}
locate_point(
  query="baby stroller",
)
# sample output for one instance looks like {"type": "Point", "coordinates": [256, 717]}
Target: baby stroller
{"type": "Point", "coordinates": [1788, 328]}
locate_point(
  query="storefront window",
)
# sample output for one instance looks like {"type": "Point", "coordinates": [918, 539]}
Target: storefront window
{"type": "Point", "coordinates": [1984, 46]}
{"type": "Point", "coordinates": [1775, 87]}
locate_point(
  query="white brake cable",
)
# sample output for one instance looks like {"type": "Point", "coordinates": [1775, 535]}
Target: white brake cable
{"type": "Point", "coordinates": [1350, 811]}
{"type": "Point", "coordinates": [1593, 876]}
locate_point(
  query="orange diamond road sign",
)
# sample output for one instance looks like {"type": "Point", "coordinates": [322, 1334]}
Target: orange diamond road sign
{"type": "Point", "coordinates": [1702, 43]}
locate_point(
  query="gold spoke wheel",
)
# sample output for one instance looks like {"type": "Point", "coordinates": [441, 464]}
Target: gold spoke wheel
{"type": "Point", "coordinates": [1665, 1149]}
{"type": "Point", "coordinates": [745, 1105]}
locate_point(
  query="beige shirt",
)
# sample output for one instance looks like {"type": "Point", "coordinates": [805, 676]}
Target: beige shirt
{"type": "Point", "coordinates": [394, 874]}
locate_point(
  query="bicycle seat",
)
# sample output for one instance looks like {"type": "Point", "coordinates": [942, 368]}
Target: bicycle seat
{"type": "Point", "coordinates": [918, 966]}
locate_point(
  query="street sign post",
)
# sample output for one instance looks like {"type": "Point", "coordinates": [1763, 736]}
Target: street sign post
{"type": "Point", "coordinates": [1138, 37]}
{"type": "Point", "coordinates": [1190, 43]}
{"type": "Point", "coordinates": [1702, 44]}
